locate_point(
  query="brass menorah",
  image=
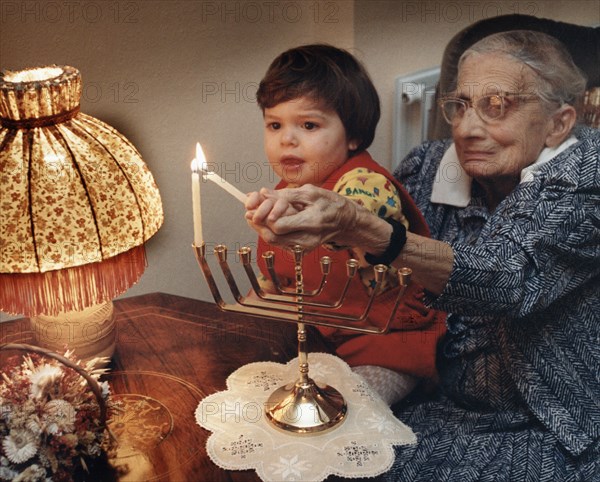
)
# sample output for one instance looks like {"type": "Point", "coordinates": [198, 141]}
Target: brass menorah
{"type": "Point", "coordinates": [301, 406]}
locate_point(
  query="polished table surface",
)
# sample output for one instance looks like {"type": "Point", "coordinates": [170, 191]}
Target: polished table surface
{"type": "Point", "coordinates": [171, 353]}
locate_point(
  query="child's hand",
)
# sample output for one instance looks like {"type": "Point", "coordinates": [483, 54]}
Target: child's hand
{"type": "Point", "coordinates": [253, 201]}
{"type": "Point", "coordinates": [266, 207]}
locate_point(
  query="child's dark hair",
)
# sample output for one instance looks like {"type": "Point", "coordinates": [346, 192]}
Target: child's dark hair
{"type": "Point", "coordinates": [330, 75]}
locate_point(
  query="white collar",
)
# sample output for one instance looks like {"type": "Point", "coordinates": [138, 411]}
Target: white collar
{"type": "Point", "coordinates": [452, 184]}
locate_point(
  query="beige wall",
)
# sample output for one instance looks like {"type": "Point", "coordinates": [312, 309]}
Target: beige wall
{"type": "Point", "coordinates": [170, 73]}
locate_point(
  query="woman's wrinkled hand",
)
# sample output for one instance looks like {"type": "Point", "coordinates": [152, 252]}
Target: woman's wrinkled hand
{"type": "Point", "coordinates": [307, 216]}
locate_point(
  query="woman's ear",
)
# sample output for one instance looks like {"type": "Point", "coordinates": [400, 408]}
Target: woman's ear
{"type": "Point", "coordinates": [352, 145]}
{"type": "Point", "coordinates": [561, 123]}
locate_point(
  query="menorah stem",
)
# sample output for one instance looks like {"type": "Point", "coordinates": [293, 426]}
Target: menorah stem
{"type": "Point", "coordinates": [302, 353]}
{"type": "Point", "coordinates": [304, 406]}
{"type": "Point", "coordinates": [302, 345]}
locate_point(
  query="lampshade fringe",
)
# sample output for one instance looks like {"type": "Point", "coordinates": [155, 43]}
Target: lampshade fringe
{"type": "Point", "coordinates": [71, 289]}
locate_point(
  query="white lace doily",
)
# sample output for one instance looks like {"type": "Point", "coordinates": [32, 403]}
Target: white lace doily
{"type": "Point", "coordinates": [243, 438]}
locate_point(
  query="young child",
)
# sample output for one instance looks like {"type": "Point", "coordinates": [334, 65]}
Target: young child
{"type": "Point", "coordinates": [320, 111]}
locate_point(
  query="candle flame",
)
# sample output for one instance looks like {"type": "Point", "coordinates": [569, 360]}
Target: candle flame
{"type": "Point", "coordinates": [201, 159]}
{"type": "Point", "coordinates": [199, 162]}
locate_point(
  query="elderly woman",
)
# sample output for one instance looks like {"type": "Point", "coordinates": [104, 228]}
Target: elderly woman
{"type": "Point", "coordinates": [513, 203]}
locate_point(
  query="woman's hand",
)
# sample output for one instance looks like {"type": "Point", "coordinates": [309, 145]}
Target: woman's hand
{"type": "Point", "coordinates": [310, 216]}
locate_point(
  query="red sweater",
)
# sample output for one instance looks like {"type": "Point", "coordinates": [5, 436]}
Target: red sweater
{"type": "Point", "coordinates": [410, 347]}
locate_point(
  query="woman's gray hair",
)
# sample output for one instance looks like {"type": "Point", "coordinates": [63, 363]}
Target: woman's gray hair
{"type": "Point", "coordinates": [559, 79]}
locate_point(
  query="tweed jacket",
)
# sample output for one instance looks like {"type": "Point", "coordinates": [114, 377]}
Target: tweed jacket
{"type": "Point", "coordinates": [526, 283]}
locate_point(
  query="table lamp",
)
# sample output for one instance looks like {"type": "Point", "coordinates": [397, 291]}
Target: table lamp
{"type": "Point", "coordinates": [77, 204]}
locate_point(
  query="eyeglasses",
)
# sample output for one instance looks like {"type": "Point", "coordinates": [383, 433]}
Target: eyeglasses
{"type": "Point", "coordinates": [489, 108]}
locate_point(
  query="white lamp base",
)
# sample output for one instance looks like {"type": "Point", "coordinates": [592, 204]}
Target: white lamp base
{"type": "Point", "coordinates": [90, 333]}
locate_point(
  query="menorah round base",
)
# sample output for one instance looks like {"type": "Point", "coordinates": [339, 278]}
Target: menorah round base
{"type": "Point", "coordinates": [306, 408]}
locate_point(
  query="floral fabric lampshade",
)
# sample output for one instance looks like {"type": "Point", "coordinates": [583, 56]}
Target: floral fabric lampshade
{"type": "Point", "coordinates": [77, 202]}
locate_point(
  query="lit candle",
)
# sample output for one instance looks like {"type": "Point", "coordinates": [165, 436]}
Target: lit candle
{"type": "Point", "coordinates": [197, 207]}
{"type": "Point", "coordinates": [219, 181]}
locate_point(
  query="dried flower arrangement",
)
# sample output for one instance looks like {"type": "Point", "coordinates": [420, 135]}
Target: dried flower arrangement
{"type": "Point", "coordinates": [53, 413]}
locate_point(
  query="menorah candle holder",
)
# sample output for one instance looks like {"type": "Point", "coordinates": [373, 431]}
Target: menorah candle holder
{"type": "Point", "coordinates": [302, 406]}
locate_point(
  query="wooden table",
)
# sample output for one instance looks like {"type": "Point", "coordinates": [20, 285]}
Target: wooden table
{"type": "Point", "coordinates": [171, 353]}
